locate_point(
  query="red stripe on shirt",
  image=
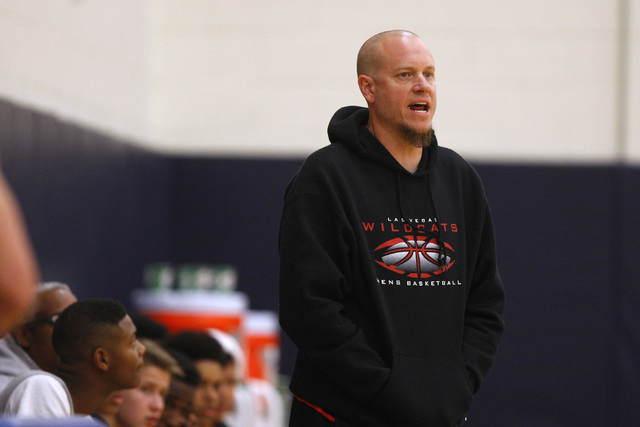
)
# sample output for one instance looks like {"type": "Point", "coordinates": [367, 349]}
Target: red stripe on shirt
{"type": "Point", "coordinates": [317, 408]}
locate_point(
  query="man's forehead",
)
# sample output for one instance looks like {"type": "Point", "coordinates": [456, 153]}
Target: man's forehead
{"type": "Point", "coordinates": [123, 329]}
{"type": "Point", "coordinates": [127, 325]}
{"type": "Point", "coordinates": [406, 49]}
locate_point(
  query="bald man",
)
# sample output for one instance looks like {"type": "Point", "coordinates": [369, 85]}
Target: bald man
{"type": "Point", "coordinates": [29, 345]}
{"type": "Point", "coordinates": [389, 285]}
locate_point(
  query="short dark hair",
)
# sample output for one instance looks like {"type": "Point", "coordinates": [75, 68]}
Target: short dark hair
{"type": "Point", "coordinates": [227, 359]}
{"type": "Point", "coordinates": [196, 345]}
{"type": "Point", "coordinates": [146, 327]}
{"type": "Point", "coordinates": [191, 375]}
{"type": "Point", "coordinates": [78, 326]}
{"type": "Point", "coordinates": [156, 355]}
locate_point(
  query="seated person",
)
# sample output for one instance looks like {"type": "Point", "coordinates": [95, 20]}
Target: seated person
{"type": "Point", "coordinates": [99, 354]}
{"type": "Point", "coordinates": [149, 328]}
{"type": "Point", "coordinates": [237, 403]}
{"type": "Point", "coordinates": [178, 408]}
{"type": "Point", "coordinates": [207, 355]}
{"type": "Point", "coordinates": [29, 346]}
{"type": "Point", "coordinates": [227, 389]}
{"type": "Point", "coordinates": [143, 406]}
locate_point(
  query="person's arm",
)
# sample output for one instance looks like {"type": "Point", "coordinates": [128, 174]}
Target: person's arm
{"type": "Point", "coordinates": [484, 324]}
{"type": "Point", "coordinates": [315, 250]}
{"type": "Point", "coordinates": [18, 267]}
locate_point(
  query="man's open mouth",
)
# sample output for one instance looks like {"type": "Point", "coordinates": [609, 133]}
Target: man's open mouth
{"type": "Point", "coordinates": [420, 106]}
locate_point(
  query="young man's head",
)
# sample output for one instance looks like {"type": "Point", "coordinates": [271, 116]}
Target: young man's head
{"type": "Point", "coordinates": [149, 328]}
{"type": "Point", "coordinates": [178, 409]}
{"type": "Point", "coordinates": [34, 336]}
{"type": "Point", "coordinates": [143, 406]}
{"type": "Point", "coordinates": [228, 385]}
{"type": "Point", "coordinates": [96, 342]}
{"type": "Point", "coordinates": [207, 355]}
{"type": "Point", "coordinates": [232, 369]}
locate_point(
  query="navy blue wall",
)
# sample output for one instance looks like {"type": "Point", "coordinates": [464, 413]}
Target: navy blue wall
{"type": "Point", "coordinates": [97, 209]}
{"type": "Point", "coordinates": [228, 211]}
{"type": "Point", "coordinates": [568, 242]}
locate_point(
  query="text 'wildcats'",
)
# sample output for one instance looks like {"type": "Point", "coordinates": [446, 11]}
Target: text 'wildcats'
{"type": "Point", "coordinates": [417, 226]}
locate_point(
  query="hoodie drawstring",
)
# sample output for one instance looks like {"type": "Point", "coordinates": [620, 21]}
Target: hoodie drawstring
{"type": "Point", "coordinates": [442, 250]}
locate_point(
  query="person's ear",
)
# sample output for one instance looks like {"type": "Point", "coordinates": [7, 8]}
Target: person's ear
{"type": "Point", "coordinates": [367, 87]}
{"type": "Point", "coordinates": [23, 337]}
{"type": "Point", "coordinates": [101, 359]}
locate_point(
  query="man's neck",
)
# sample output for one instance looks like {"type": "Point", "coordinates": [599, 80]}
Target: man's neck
{"type": "Point", "coordinates": [85, 402]}
{"type": "Point", "coordinates": [85, 394]}
{"type": "Point", "coordinates": [406, 154]}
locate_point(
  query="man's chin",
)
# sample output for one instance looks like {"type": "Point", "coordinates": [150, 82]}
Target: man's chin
{"type": "Point", "coordinates": [418, 137]}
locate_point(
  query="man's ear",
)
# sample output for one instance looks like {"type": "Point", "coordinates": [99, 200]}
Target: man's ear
{"type": "Point", "coordinates": [367, 87]}
{"type": "Point", "coordinates": [23, 336]}
{"type": "Point", "coordinates": [101, 359]}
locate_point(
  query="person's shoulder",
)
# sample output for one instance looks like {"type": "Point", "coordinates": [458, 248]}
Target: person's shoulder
{"type": "Point", "coordinates": [451, 164]}
{"type": "Point", "coordinates": [450, 156]}
{"type": "Point", "coordinates": [36, 394]}
{"type": "Point", "coordinates": [327, 156]}
{"type": "Point", "coordinates": [325, 162]}
{"type": "Point", "coordinates": [28, 383]}
{"type": "Point", "coordinates": [32, 380]}
{"type": "Point", "coordinates": [319, 172]}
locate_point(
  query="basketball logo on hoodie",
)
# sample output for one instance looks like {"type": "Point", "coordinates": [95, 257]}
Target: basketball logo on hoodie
{"type": "Point", "coordinates": [415, 256]}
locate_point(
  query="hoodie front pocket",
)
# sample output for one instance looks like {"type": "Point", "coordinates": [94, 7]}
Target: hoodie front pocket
{"type": "Point", "coordinates": [425, 392]}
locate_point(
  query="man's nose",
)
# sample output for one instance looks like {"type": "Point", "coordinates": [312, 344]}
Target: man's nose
{"type": "Point", "coordinates": [212, 393]}
{"type": "Point", "coordinates": [157, 402]}
{"type": "Point", "coordinates": [421, 83]}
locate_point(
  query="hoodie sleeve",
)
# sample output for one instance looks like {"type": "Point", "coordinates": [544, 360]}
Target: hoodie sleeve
{"type": "Point", "coordinates": [484, 324]}
{"type": "Point", "coordinates": [314, 280]}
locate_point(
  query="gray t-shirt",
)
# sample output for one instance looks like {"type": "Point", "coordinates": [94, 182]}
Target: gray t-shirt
{"type": "Point", "coordinates": [36, 394]}
{"type": "Point", "coordinates": [13, 361]}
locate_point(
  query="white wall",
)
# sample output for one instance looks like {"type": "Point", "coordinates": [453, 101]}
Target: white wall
{"type": "Point", "coordinates": [517, 81]}
{"type": "Point", "coordinates": [87, 61]}
{"type": "Point", "coordinates": [633, 87]}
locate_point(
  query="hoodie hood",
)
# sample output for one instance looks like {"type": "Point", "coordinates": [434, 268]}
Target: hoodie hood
{"type": "Point", "coordinates": [348, 127]}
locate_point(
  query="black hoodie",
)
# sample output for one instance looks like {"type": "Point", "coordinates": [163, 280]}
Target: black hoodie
{"type": "Point", "coordinates": [388, 281]}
